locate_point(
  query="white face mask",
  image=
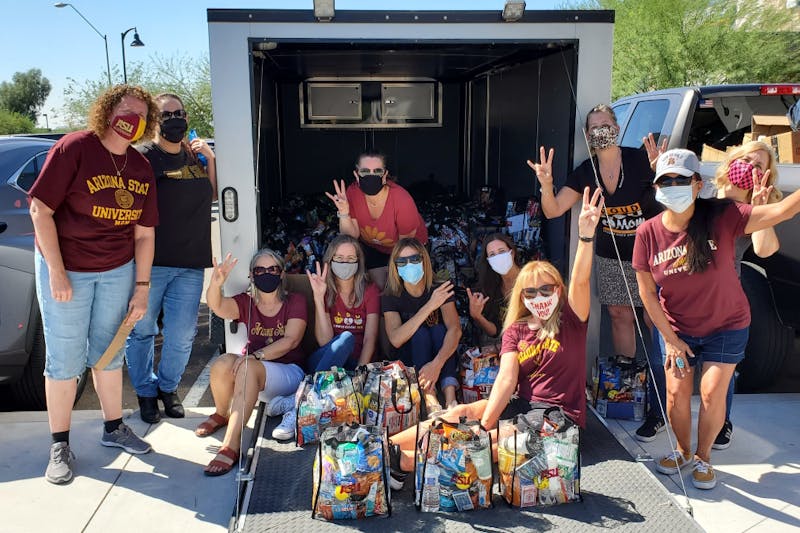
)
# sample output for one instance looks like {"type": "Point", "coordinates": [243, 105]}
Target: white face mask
{"type": "Point", "coordinates": [677, 198]}
{"type": "Point", "coordinates": [542, 307]}
{"type": "Point", "coordinates": [502, 262]}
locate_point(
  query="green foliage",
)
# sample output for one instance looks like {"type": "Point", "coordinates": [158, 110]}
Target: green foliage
{"type": "Point", "coordinates": [672, 43]}
{"type": "Point", "coordinates": [187, 77]}
{"type": "Point", "coordinates": [25, 94]}
{"type": "Point", "coordinates": [11, 122]}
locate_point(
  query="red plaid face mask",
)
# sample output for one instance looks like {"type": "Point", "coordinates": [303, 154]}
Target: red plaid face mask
{"type": "Point", "coordinates": [740, 174]}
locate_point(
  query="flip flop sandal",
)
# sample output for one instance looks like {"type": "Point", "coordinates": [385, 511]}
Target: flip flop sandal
{"type": "Point", "coordinates": [211, 425]}
{"type": "Point", "coordinates": [222, 463]}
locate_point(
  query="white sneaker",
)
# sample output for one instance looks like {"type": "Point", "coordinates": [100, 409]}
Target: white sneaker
{"type": "Point", "coordinates": [279, 405]}
{"type": "Point", "coordinates": [285, 430]}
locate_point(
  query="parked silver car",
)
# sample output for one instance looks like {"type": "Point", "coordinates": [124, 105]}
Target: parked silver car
{"type": "Point", "coordinates": [22, 347]}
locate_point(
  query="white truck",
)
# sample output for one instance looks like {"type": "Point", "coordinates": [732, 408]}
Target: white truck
{"type": "Point", "coordinates": [459, 97]}
{"type": "Point", "coordinates": [718, 117]}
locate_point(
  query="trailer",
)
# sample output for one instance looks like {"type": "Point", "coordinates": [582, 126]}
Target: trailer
{"type": "Point", "coordinates": [456, 98]}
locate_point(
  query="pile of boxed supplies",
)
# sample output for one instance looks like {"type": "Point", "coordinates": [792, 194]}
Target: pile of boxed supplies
{"type": "Point", "coordinates": [774, 130]}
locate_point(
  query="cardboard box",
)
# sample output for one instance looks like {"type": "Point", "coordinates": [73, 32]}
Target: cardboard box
{"type": "Point", "coordinates": [786, 146]}
{"type": "Point", "coordinates": [769, 125]}
{"type": "Point", "coordinates": [712, 154]}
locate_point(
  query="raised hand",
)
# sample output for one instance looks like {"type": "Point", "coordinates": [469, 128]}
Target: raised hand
{"type": "Point", "coordinates": [591, 211]}
{"type": "Point", "coordinates": [317, 280]}
{"type": "Point", "coordinates": [339, 198]}
{"type": "Point", "coordinates": [544, 169]}
{"type": "Point", "coordinates": [222, 270]}
{"type": "Point", "coordinates": [477, 301]}
{"type": "Point", "coordinates": [761, 190]}
{"type": "Point", "coordinates": [441, 294]}
{"type": "Point", "coordinates": [653, 149]}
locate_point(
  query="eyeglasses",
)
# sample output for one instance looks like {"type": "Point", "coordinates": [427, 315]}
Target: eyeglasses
{"type": "Point", "coordinates": [179, 113]}
{"type": "Point", "coordinates": [367, 171]}
{"type": "Point", "coordinates": [259, 270]}
{"type": "Point", "coordinates": [343, 259]}
{"type": "Point", "coordinates": [544, 290]}
{"type": "Point", "coordinates": [671, 182]}
{"type": "Point", "coordinates": [402, 261]}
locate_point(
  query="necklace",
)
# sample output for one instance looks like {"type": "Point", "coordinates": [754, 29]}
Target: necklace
{"type": "Point", "coordinates": [114, 162]}
{"type": "Point", "coordinates": [621, 175]}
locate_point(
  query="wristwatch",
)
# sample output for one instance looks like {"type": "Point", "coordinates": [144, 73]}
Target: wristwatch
{"type": "Point", "coordinates": [143, 284]}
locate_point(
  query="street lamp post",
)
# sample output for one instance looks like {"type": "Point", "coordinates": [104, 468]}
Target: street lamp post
{"type": "Point", "coordinates": [136, 42]}
{"type": "Point", "coordinates": [46, 121]}
{"type": "Point", "coordinates": [105, 40]}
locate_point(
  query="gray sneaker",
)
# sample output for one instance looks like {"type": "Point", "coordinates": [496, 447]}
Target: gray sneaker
{"type": "Point", "coordinates": [124, 437]}
{"type": "Point", "coordinates": [59, 469]}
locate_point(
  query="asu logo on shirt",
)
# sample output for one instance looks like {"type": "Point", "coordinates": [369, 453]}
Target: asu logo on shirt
{"type": "Point", "coordinates": [124, 197]}
{"type": "Point", "coordinates": [676, 254]}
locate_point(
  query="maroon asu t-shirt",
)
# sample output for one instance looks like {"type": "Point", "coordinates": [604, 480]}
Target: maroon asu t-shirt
{"type": "Point", "coordinates": [701, 303]}
{"type": "Point", "coordinates": [96, 209]}
{"type": "Point", "coordinates": [552, 370]}
{"type": "Point", "coordinates": [263, 330]}
{"type": "Point", "coordinates": [354, 319]}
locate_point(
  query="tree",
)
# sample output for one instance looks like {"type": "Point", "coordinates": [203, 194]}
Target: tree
{"type": "Point", "coordinates": [25, 94]}
{"type": "Point", "coordinates": [673, 43]}
{"type": "Point", "coordinates": [187, 77]}
{"type": "Point", "coordinates": [11, 122]}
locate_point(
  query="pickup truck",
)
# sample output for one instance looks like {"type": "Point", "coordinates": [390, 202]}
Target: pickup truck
{"type": "Point", "coordinates": [719, 117]}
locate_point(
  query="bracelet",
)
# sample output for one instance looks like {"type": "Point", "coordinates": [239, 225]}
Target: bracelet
{"type": "Point", "coordinates": [143, 284]}
{"type": "Point", "coordinates": [342, 215]}
{"type": "Point", "coordinates": [255, 354]}
{"type": "Point", "coordinates": [585, 239]}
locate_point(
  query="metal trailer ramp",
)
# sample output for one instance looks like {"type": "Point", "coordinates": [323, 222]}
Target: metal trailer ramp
{"type": "Point", "coordinates": [618, 494]}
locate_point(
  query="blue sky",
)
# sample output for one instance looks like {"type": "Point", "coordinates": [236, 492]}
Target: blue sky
{"type": "Point", "coordinates": [38, 35]}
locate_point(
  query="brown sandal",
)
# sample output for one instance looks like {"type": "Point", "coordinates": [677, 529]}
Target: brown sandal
{"type": "Point", "coordinates": [222, 463]}
{"type": "Point", "coordinates": [211, 425]}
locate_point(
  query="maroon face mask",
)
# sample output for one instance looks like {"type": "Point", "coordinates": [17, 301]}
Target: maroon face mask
{"type": "Point", "coordinates": [129, 126]}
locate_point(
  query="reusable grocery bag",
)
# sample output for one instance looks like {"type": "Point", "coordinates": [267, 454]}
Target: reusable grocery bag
{"type": "Point", "coordinates": [453, 467]}
{"type": "Point", "coordinates": [351, 473]}
{"type": "Point", "coordinates": [391, 395]}
{"type": "Point", "coordinates": [328, 398]}
{"type": "Point", "coordinates": [538, 458]}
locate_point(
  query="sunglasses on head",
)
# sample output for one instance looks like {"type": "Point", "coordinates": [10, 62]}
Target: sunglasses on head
{"type": "Point", "coordinates": [402, 261]}
{"type": "Point", "coordinates": [671, 182]}
{"type": "Point", "coordinates": [368, 171]}
{"type": "Point", "coordinates": [544, 290]}
{"type": "Point", "coordinates": [259, 270]}
{"type": "Point", "coordinates": [166, 115]}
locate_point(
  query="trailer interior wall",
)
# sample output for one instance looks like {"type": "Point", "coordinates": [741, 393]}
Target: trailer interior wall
{"type": "Point", "coordinates": [510, 129]}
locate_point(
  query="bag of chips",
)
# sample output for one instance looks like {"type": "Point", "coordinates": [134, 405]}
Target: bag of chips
{"type": "Point", "coordinates": [453, 467]}
{"type": "Point", "coordinates": [391, 396]}
{"type": "Point", "coordinates": [351, 473]}
{"type": "Point", "coordinates": [538, 458]}
{"type": "Point", "coordinates": [328, 398]}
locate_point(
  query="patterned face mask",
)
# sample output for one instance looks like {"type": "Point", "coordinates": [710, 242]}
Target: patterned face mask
{"type": "Point", "coordinates": [602, 137]}
{"type": "Point", "coordinates": [740, 174]}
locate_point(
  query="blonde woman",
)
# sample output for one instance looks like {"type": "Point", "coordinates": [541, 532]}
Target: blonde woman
{"type": "Point", "coordinates": [739, 178]}
{"type": "Point", "coordinates": [544, 346]}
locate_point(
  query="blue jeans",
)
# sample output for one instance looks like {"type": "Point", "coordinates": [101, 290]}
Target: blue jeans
{"type": "Point", "coordinates": [422, 349]}
{"type": "Point", "coordinates": [176, 291]}
{"type": "Point", "coordinates": [336, 352]}
{"type": "Point", "coordinates": [77, 332]}
{"type": "Point", "coordinates": [656, 360]}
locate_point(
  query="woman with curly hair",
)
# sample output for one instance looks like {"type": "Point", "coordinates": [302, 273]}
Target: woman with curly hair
{"type": "Point", "coordinates": [94, 210]}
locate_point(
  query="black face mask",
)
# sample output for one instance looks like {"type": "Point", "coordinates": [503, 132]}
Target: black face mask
{"type": "Point", "coordinates": [371, 184]}
{"type": "Point", "coordinates": [173, 129]}
{"type": "Point", "coordinates": [267, 282]}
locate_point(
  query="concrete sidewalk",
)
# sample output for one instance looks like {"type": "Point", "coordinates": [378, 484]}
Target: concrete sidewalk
{"type": "Point", "coordinates": [165, 490]}
{"type": "Point", "coordinates": [758, 477]}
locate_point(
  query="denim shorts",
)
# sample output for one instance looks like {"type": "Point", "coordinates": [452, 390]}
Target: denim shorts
{"type": "Point", "coordinates": [722, 347]}
{"type": "Point", "coordinates": [282, 380]}
{"type": "Point", "coordinates": [77, 332]}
